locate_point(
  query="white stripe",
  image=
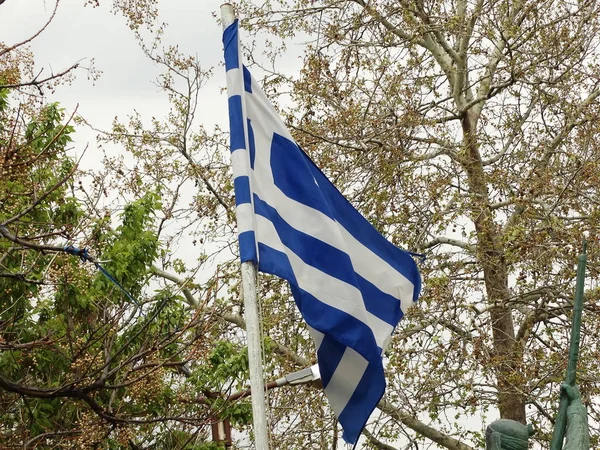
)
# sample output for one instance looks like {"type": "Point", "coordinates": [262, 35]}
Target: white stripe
{"type": "Point", "coordinates": [327, 289]}
{"type": "Point", "coordinates": [240, 163]}
{"type": "Point", "coordinates": [235, 82]}
{"type": "Point", "coordinates": [378, 271]}
{"type": "Point", "coordinates": [345, 379]}
{"type": "Point", "coordinates": [245, 217]}
{"type": "Point", "coordinates": [260, 107]}
{"type": "Point", "coordinates": [244, 212]}
{"type": "Point", "coordinates": [316, 335]}
{"type": "Point", "coordinates": [312, 222]}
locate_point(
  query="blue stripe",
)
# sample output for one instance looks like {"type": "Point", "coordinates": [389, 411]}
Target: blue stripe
{"type": "Point", "coordinates": [359, 227]}
{"type": "Point", "coordinates": [276, 263]}
{"type": "Point", "coordinates": [230, 43]}
{"type": "Point", "coordinates": [236, 123]}
{"type": "Point", "coordinates": [367, 394]}
{"type": "Point", "coordinates": [251, 144]}
{"type": "Point", "coordinates": [291, 174]}
{"type": "Point", "coordinates": [247, 241]}
{"type": "Point", "coordinates": [382, 305]}
{"type": "Point", "coordinates": [330, 321]}
{"type": "Point", "coordinates": [329, 355]}
{"type": "Point", "coordinates": [247, 80]}
{"type": "Point", "coordinates": [241, 187]}
{"type": "Point", "coordinates": [312, 251]}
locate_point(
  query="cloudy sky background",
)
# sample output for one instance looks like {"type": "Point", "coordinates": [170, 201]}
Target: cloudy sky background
{"type": "Point", "coordinates": [81, 34]}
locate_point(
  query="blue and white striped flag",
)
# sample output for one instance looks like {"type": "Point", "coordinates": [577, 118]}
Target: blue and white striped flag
{"type": "Point", "coordinates": [351, 285]}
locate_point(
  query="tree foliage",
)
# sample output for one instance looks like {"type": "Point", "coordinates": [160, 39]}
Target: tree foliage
{"type": "Point", "coordinates": [92, 355]}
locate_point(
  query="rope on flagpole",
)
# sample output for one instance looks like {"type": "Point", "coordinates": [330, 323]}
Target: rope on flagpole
{"type": "Point", "coordinates": [84, 256]}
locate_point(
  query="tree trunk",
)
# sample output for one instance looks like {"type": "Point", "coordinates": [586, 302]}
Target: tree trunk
{"type": "Point", "coordinates": [490, 254]}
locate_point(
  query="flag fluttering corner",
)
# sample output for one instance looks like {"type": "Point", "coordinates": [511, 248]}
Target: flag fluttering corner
{"type": "Point", "coordinates": [351, 285]}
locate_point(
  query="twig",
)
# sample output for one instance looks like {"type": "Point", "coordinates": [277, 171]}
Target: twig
{"type": "Point", "coordinates": [41, 30]}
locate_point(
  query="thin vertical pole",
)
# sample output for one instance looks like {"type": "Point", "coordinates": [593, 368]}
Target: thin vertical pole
{"type": "Point", "coordinates": [249, 276]}
{"type": "Point", "coordinates": [257, 383]}
{"type": "Point", "coordinates": [561, 417]}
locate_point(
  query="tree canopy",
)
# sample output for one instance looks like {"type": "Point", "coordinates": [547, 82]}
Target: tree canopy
{"type": "Point", "coordinates": [90, 356]}
{"type": "Point", "coordinates": [464, 130]}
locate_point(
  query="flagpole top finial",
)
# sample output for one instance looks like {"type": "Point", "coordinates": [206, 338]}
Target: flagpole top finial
{"type": "Point", "coordinates": [227, 14]}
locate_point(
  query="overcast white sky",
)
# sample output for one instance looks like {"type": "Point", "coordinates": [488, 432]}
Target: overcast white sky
{"type": "Point", "coordinates": [82, 33]}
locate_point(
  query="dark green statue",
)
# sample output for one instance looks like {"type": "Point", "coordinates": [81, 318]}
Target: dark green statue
{"type": "Point", "coordinates": [577, 436]}
{"type": "Point", "coordinates": [571, 424]}
{"type": "Point", "coordinates": [505, 434]}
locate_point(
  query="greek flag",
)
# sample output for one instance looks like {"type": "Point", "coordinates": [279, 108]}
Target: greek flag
{"type": "Point", "coordinates": [350, 284]}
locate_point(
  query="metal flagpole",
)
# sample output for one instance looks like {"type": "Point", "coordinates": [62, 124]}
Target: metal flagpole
{"type": "Point", "coordinates": [249, 276]}
{"type": "Point", "coordinates": [257, 383]}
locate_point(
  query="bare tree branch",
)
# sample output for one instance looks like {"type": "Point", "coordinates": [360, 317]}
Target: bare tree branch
{"type": "Point", "coordinates": [37, 83]}
{"type": "Point", "coordinates": [376, 442]}
{"type": "Point", "coordinates": [40, 31]}
{"type": "Point", "coordinates": [415, 424]}
{"type": "Point", "coordinates": [440, 240]}
{"type": "Point", "coordinates": [228, 317]}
